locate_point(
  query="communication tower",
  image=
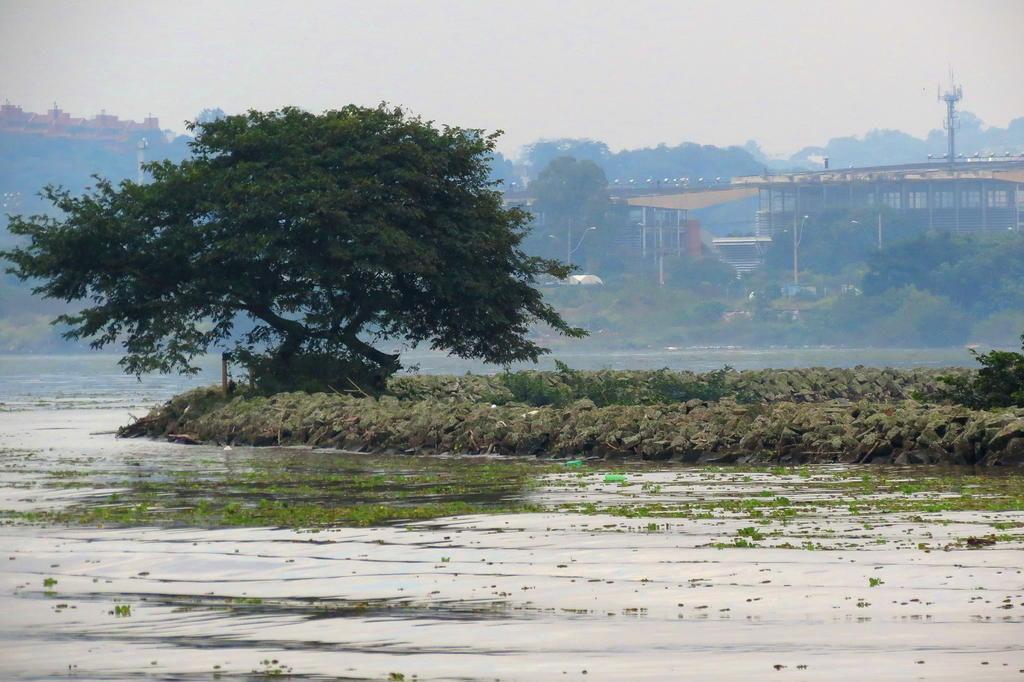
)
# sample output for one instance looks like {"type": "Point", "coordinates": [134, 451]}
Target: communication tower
{"type": "Point", "coordinates": [952, 122]}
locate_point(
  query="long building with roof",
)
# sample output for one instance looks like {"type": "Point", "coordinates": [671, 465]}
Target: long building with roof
{"type": "Point", "coordinates": [980, 194]}
{"type": "Point", "coordinates": [966, 196]}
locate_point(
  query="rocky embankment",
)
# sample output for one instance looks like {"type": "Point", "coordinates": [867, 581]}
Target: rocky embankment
{"type": "Point", "coordinates": [440, 419]}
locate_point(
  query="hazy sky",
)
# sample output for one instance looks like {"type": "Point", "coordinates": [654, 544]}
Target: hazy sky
{"type": "Point", "coordinates": [629, 72]}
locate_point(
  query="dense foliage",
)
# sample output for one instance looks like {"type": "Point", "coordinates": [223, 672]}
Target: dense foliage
{"type": "Point", "coordinates": [980, 274]}
{"type": "Point", "coordinates": [999, 382]}
{"type": "Point", "coordinates": [838, 242]}
{"type": "Point", "coordinates": [922, 289]}
{"type": "Point", "coordinates": [687, 159]}
{"type": "Point", "coordinates": [570, 196]}
{"type": "Point", "coordinates": [567, 385]}
{"type": "Point", "coordinates": [301, 242]}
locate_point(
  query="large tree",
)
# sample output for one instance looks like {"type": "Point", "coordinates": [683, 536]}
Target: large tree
{"type": "Point", "coordinates": [572, 195]}
{"type": "Point", "coordinates": [568, 188]}
{"type": "Point", "coordinates": [301, 242]}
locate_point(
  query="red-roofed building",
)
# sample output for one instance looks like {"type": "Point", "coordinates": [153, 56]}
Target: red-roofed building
{"type": "Point", "coordinates": [58, 123]}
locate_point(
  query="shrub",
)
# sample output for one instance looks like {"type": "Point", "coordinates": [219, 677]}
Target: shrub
{"type": "Point", "coordinates": [606, 387]}
{"type": "Point", "coordinates": [536, 388]}
{"type": "Point", "coordinates": [999, 382]}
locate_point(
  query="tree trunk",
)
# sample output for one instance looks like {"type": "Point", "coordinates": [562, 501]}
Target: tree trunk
{"type": "Point", "coordinates": [388, 362]}
{"type": "Point", "coordinates": [290, 346]}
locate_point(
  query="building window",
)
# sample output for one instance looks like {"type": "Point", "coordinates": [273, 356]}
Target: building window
{"type": "Point", "coordinates": [789, 203]}
{"type": "Point", "coordinates": [970, 198]}
{"type": "Point", "coordinates": [917, 199]}
{"type": "Point", "coordinates": [998, 198]}
{"type": "Point", "coordinates": [860, 197]}
{"type": "Point", "coordinates": [891, 199]}
{"type": "Point", "coordinates": [943, 199]}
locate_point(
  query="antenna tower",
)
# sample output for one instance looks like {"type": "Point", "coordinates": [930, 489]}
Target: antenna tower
{"type": "Point", "coordinates": [952, 122]}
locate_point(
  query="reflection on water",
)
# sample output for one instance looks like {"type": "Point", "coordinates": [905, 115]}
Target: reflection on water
{"type": "Point", "coordinates": [676, 573]}
{"type": "Point", "coordinates": [510, 597]}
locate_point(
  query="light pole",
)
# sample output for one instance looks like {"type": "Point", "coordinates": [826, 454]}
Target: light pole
{"type": "Point", "coordinates": [580, 242]}
{"type": "Point", "coordinates": [569, 248]}
{"type": "Point", "coordinates": [568, 244]}
{"type": "Point", "coordinates": [855, 222]}
{"type": "Point", "coordinates": [661, 255]}
{"type": "Point", "coordinates": [797, 234]}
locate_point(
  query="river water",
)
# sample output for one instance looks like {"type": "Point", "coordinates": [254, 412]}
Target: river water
{"type": "Point", "coordinates": [582, 591]}
{"type": "Point", "coordinates": [75, 381]}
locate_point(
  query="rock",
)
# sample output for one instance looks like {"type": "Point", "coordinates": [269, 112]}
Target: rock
{"type": "Point", "coordinates": [929, 440]}
{"type": "Point", "coordinates": [183, 439]}
{"type": "Point", "coordinates": [710, 431]}
{"type": "Point", "coordinates": [965, 451]}
{"type": "Point", "coordinates": [1011, 455]}
{"type": "Point", "coordinates": [1001, 437]}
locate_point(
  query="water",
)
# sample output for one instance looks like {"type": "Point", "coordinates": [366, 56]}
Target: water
{"type": "Point", "coordinates": [892, 591]}
{"type": "Point", "coordinates": [94, 381]}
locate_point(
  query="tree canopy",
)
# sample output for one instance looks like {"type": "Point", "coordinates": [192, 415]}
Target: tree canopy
{"type": "Point", "coordinates": [981, 273]}
{"type": "Point", "coordinates": [572, 195]}
{"type": "Point", "coordinates": [568, 188]}
{"type": "Point", "coordinates": [289, 236]}
{"type": "Point", "coordinates": [655, 163]}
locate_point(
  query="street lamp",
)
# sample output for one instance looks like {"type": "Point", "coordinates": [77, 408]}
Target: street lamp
{"type": "Point", "coordinates": [854, 222]}
{"type": "Point", "coordinates": [576, 248]}
{"type": "Point", "coordinates": [569, 248]}
{"type": "Point", "coordinates": [797, 234]}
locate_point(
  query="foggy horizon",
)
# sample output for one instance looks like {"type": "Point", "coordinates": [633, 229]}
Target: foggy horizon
{"type": "Point", "coordinates": [703, 73]}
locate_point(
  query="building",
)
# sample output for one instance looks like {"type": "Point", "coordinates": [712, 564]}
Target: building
{"type": "Point", "coordinates": [743, 253]}
{"type": "Point", "coordinates": [981, 194]}
{"type": "Point", "coordinates": [953, 193]}
{"type": "Point", "coordinates": [967, 196]}
{"type": "Point", "coordinates": [646, 231]}
{"type": "Point", "coordinates": [58, 123]}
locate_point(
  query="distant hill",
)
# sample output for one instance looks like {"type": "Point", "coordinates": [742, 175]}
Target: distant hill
{"type": "Point", "coordinates": [882, 147]}
{"type": "Point", "coordinates": [685, 160]}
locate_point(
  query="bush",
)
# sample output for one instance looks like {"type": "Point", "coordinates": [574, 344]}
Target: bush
{"type": "Point", "coordinates": [603, 388]}
{"type": "Point", "coordinates": [999, 382]}
{"type": "Point", "coordinates": [537, 388]}
{"type": "Point", "coordinates": [708, 312]}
